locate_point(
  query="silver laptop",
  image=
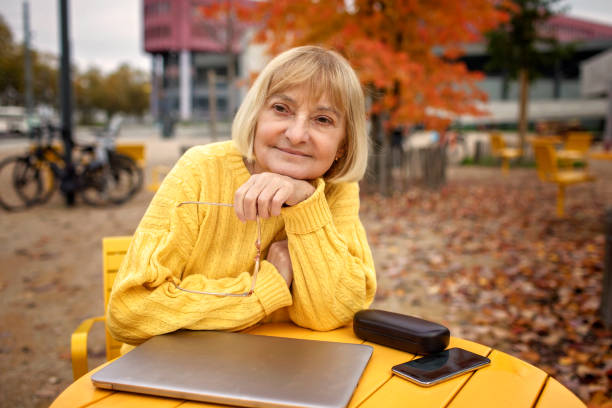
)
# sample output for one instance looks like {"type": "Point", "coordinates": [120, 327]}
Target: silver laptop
{"type": "Point", "coordinates": [240, 369]}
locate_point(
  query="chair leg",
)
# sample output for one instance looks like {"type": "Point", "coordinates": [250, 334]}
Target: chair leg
{"type": "Point", "coordinates": [561, 201]}
{"type": "Point", "coordinates": [594, 195]}
{"type": "Point", "coordinates": [505, 166]}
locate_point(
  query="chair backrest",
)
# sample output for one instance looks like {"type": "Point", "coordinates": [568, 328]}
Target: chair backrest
{"type": "Point", "coordinates": [546, 160]}
{"type": "Point", "coordinates": [113, 252]}
{"type": "Point", "coordinates": [580, 141]}
{"type": "Point", "coordinates": [497, 143]}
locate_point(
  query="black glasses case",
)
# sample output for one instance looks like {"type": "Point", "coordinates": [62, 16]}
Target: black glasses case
{"type": "Point", "coordinates": [402, 332]}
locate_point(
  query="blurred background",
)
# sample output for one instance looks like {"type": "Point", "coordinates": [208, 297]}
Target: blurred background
{"type": "Point", "coordinates": [468, 224]}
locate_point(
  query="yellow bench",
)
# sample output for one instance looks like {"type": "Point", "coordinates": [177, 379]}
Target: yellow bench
{"type": "Point", "coordinates": [548, 171]}
{"type": "Point", "coordinates": [575, 148]}
{"type": "Point", "coordinates": [136, 151]}
{"type": "Point", "coordinates": [499, 149]}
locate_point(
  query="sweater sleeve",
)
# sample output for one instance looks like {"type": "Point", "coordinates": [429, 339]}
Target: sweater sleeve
{"type": "Point", "coordinates": [145, 301]}
{"type": "Point", "coordinates": [333, 270]}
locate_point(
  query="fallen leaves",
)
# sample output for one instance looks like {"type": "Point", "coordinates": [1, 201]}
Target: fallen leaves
{"type": "Point", "coordinates": [493, 262]}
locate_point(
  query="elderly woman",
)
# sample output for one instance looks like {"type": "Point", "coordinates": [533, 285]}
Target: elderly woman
{"type": "Point", "coordinates": [292, 247]}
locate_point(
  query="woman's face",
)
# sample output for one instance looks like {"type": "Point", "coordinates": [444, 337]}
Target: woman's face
{"type": "Point", "coordinates": [296, 136]}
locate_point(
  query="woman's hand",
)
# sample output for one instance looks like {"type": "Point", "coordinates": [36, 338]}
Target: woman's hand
{"type": "Point", "coordinates": [278, 255]}
{"type": "Point", "coordinates": [265, 193]}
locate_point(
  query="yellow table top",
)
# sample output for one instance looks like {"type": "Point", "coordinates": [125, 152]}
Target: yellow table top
{"type": "Point", "coordinates": [507, 382]}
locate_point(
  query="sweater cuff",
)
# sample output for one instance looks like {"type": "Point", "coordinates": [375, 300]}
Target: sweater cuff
{"type": "Point", "coordinates": [310, 215]}
{"type": "Point", "coordinates": [271, 289]}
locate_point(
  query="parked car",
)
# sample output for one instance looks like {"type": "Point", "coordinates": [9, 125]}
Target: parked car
{"type": "Point", "coordinates": [13, 120]}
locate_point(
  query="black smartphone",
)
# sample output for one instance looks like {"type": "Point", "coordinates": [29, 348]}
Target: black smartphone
{"type": "Point", "coordinates": [438, 367]}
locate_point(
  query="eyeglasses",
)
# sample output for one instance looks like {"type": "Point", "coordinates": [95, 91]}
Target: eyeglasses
{"type": "Point", "coordinates": [257, 257]}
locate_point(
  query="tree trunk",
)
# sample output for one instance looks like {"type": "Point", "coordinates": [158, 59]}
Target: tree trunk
{"type": "Point", "coordinates": [231, 78]}
{"type": "Point", "coordinates": [231, 60]}
{"type": "Point", "coordinates": [383, 163]}
{"type": "Point", "coordinates": [212, 103]}
{"type": "Point", "coordinates": [523, 100]}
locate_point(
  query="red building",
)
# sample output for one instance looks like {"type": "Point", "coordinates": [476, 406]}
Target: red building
{"type": "Point", "coordinates": [188, 52]}
{"type": "Point", "coordinates": [570, 29]}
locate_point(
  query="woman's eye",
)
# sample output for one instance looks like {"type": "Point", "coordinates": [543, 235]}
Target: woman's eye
{"type": "Point", "coordinates": [280, 108]}
{"type": "Point", "coordinates": [324, 120]}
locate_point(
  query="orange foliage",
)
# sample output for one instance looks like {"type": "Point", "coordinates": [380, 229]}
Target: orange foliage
{"type": "Point", "coordinates": [404, 51]}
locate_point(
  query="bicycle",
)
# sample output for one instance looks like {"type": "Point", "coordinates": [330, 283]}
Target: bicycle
{"type": "Point", "coordinates": [101, 175]}
{"type": "Point", "coordinates": [456, 146]}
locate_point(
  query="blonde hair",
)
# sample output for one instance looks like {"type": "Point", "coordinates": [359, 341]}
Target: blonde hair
{"type": "Point", "coordinates": [324, 72]}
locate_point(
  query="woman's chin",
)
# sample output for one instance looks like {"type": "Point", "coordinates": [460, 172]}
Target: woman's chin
{"type": "Point", "coordinates": [295, 172]}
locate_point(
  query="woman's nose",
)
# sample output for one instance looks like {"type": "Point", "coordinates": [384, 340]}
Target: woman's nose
{"type": "Point", "coordinates": [297, 130]}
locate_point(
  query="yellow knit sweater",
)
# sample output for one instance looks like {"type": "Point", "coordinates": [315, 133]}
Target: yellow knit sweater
{"type": "Point", "coordinates": [208, 248]}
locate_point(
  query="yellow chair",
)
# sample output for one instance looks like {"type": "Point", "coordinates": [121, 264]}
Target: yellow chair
{"type": "Point", "coordinates": [546, 165]}
{"type": "Point", "coordinates": [575, 148]}
{"type": "Point", "coordinates": [499, 149]}
{"type": "Point", "coordinates": [136, 151]}
{"type": "Point", "coordinates": [157, 176]}
{"type": "Point", "coordinates": [113, 251]}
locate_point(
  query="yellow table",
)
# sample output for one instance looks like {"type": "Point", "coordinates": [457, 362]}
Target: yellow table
{"type": "Point", "coordinates": [507, 382]}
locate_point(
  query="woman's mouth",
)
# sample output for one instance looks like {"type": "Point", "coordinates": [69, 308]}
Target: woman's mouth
{"type": "Point", "coordinates": [292, 151]}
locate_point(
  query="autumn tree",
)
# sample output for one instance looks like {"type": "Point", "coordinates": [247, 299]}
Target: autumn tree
{"type": "Point", "coordinates": [89, 93]}
{"type": "Point", "coordinates": [7, 79]}
{"type": "Point", "coordinates": [405, 52]}
{"type": "Point", "coordinates": [124, 90]}
{"type": "Point", "coordinates": [520, 47]}
{"type": "Point", "coordinates": [12, 80]}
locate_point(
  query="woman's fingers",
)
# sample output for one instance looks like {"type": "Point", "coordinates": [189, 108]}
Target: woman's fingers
{"type": "Point", "coordinates": [266, 198]}
{"type": "Point", "coordinates": [280, 198]}
{"type": "Point", "coordinates": [239, 197]}
{"type": "Point", "coordinates": [265, 193]}
{"type": "Point", "coordinates": [249, 202]}
{"type": "Point", "coordinates": [258, 196]}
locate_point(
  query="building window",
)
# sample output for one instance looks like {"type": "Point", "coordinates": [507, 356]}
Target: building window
{"type": "Point", "coordinates": [162, 31]}
{"type": "Point", "coordinates": [158, 7]}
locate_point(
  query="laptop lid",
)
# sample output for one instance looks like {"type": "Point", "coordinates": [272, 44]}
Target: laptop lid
{"type": "Point", "coordinates": [240, 369]}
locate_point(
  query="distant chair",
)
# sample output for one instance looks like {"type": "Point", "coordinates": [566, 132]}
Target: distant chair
{"type": "Point", "coordinates": [499, 149]}
{"type": "Point", "coordinates": [575, 148]}
{"type": "Point", "coordinates": [546, 165]}
{"type": "Point", "coordinates": [158, 173]}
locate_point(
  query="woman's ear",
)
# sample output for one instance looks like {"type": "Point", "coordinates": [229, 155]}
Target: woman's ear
{"type": "Point", "coordinates": [340, 152]}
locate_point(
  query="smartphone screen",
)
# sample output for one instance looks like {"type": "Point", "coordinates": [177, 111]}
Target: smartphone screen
{"type": "Point", "coordinates": [442, 366]}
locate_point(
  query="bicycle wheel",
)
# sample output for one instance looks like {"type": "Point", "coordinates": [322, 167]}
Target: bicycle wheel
{"type": "Point", "coordinates": [126, 163]}
{"type": "Point", "coordinates": [13, 178]}
{"type": "Point", "coordinates": [94, 186]}
{"type": "Point", "coordinates": [34, 180]}
{"type": "Point", "coordinates": [104, 185]}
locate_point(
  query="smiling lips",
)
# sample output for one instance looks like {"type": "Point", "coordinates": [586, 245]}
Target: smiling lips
{"type": "Point", "coordinates": [292, 151]}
